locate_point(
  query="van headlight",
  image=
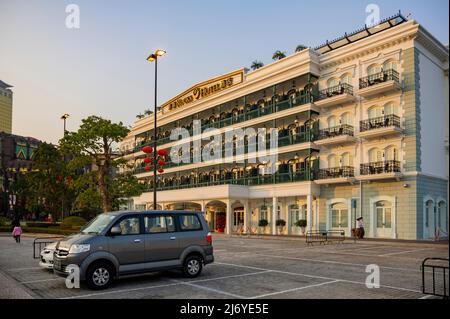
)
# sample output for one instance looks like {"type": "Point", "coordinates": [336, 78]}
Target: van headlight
{"type": "Point", "coordinates": [77, 249]}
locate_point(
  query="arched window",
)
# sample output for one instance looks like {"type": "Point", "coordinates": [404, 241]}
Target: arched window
{"type": "Point", "coordinates": [295, 213]}
{"type": "Point", "coordinates": [429, 207]}
{"type": "Point", "coordinates": [263, 213]}
{"type": "Point", "coordinates": [442, 216]}
{"type": "Point", "coordinates": [339, 215]}
{"type": "Point", "coordinates": [347, 79]}
{"type": "Point", "coordinates": [375, 155]}
{"type": "Point", "coordinates": [332, 122]}
{"type": "Point", "coordinates": [391, 153]}
{"type": "Point", "coordinates": [347, 159]}
{"type": "Point", "coordinates": [347, 118]}
{"type": "Point", "coordinates": [374, 69]}
{"type": "Point", "coordinates": [375, 111]}
{"type": "Point", "coordinates": [383, 211]}
{"type": "Point", "coordinates": [332, 82]}
{"type": "Point", "coordinates": [390, 65]}
{"type": "Point", "coordinates": [333, 161]}
{"type": "Point", "coordinates": [391, 108]}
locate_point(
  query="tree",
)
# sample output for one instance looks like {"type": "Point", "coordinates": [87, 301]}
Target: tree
{"type": "Point", "coordinates": [91, 151]}
{"type": "Point", "coordinates": [300, 47]}
{"type": "Point", "coordinates": [256, 65]}
{"type": "Point", "coordinates": [278, 55]}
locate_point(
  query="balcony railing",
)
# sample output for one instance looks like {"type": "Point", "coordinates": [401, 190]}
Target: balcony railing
{"type": "Point", "coordinates": [277, 178]}
{"type": "Point", "coordinates": [380, 167]}
{"type": "Point", "coordinates": [339, 130]}
{"type": "Point", "coordinates": [374, 79]}
{"type": "Point", "coordinates": [340, 89]}
{"type": "Point", "coordinates": [337, 172]}
{"type": "Point", "coordinates": [252, 112]}
{"type": "Point", "coordinates": [379, 122]}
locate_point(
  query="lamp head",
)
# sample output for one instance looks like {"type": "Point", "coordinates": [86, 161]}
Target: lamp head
{"type": "Point", "coordinates": [65, 116]}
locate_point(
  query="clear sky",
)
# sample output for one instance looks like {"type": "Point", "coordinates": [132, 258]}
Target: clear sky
{"type": "Point", "coordinates": [101, 68]}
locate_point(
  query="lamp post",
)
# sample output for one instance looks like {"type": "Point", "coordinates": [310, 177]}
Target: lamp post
{"type": "Point", "coordinates": [64, 118]}
{"type": "Point", "coordinates": [154, 58]}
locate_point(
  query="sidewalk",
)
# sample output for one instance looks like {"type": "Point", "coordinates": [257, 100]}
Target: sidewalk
{"type": "Point", "coordinates": [11, 289]}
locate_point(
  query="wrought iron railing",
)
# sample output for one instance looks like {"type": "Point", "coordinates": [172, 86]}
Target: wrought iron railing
{"type": "Point", "coordinates": [381, 77]}
{"type": "Point", "coordinates": [336, 172]}
{"type": "Point", "coordinates": [339, 130]}
{"type": "Point", "coordinates": [339, 89]}
{"type": "Point", "coordinates": [378, 122]}
{"type": "Point", "coordinates": [380, 167]}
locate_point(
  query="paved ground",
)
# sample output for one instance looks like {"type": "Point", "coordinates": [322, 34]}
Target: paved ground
{"type": "Point", "coordinates": [245, 268]}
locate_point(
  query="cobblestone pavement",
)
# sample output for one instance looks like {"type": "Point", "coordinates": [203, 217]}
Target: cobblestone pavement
{"type": "Point", "coordinates": [246, 268]}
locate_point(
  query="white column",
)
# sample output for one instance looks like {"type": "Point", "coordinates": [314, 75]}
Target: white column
{"type": "Point", "coordinates": [288, 218]}
{"type": "Point", "coordinates": [309, 212]}
{"type": "Point", "coordinates": [247, 212]}
{"type": "Point", "coordinates": [274, 215]}
{"type": "Point", "coordinates": [283, 212]}
{"type": "Point", "coordinates": [228, 218]}
{"type": "Point", "coordinates": [203, 206]}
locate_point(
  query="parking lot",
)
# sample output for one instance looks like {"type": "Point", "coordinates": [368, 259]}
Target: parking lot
{"type": "Point", "coordinates": [250, 268]}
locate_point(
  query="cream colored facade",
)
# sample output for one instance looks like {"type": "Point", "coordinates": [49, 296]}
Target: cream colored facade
{"type": "Point", "coordinates": [366, 135]}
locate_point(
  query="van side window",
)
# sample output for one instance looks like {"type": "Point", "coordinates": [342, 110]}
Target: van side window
{"type": "Point", "coordinates": [190, 222]}
{"type": "Point", "coordinates": [129, 226]}
{"type": "Point", "coordinates": [159, 224]}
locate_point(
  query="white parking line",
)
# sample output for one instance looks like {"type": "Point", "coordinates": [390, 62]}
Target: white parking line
{"type": "Point", "coordinates": [27, 268]}
{"type": "Point", "coordinates": [166, 285]}
{"type": "Point", "coordinates": [314, 276]}
{"type": "Point", "coordinates": [294, 289]}
{"type": "Point", "coordinates": [211, 289]}
{"type": "Point", "coordinates": [403, 252]}
{"type": "Point", "coordinates": [42, 280]}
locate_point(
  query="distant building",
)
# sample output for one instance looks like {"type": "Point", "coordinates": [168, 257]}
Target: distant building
{"type": "Point", "coordinates": [6, 96]}
{"type": "Point", "coordinates": [16, 157]}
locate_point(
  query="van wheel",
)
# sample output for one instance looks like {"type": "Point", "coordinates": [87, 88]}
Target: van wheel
{"type": "Point", "coordinates": [100, 275]}
{"type": "Point", "coordinates": [192, 266]}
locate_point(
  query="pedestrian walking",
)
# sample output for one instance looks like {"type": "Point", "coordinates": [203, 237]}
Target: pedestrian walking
{"type": "Point", "coordinates": [17, 232]}
{"type": "Point", "coordinates": [360, 226]}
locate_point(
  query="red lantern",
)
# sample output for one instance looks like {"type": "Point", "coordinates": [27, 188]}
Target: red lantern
{"type": "Point", "coordinates": [148, 160]}
{"type": "Point", "coordinates": [163, 152]}
{"type": "Point", "coordinates": [59, 178]}
{"type": "Point", "coordinates": [147, 149]}
{"type": "Point", "coordinates": [160, 171]}
{"type": "Point", "coordinates": [161, 163]}
{"type": "Point", "coordinates": [147, 168]}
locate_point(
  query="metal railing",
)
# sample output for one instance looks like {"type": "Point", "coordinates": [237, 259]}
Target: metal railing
{"type": "Point", "coordinates": [381, 77]}
{"type": "Point", "coordinates": [380, 167]}
{"type": "Point", "coordinates": [336, 172]}
{"type": "Point", "coordinates": [437, 269]}
{"type": "Point", "coordinates": [379, 122]}
{"type": "Point", "coordinates": [339, 89]}
{"type": "Point", "coordinates": [40, 243]}
{"type": "Point", "coordinates": [343, 129]}
{"type": "Point", "coordinates": [324, 236]}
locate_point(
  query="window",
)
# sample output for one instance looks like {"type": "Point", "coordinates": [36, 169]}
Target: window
{"type": "Point", "coordinates": [391, 153]}
{"type": "Point", "coordinates": [295, 214]}
{"type": "Point", "coordinates": [375, 155]}
{"type": "Point", "coordinates": [347, 119]}
{"type": "Point", "coordinates": [375, 111]}
{"type": "Point", "coordinates": [390, 65]}
{"type": "Point", "coordinates": [332, 82]}
{"type": "Point", "coordinates": [391, 108]}
{"type": "Point", "coordinates": [339, 215]}
{"type": "Point", "coordinates": [429, 207]}
{"type": "Point", "coordinates": [373, 69]}
{"type": "Point", "coordinates": [333, 161]}
{"type": "Point", "coordinates": [263, 213]}
{"type": "Point", "coordinates": [159, 224]}
{"type": "Point", "coordinates": [129, 226]}
{"type": "Point", "coordinates": [332, 121]}
{"type": "Point", "coordinates": [383, 214]}
{"type": "Point", "coordinates": [189, 222]}
{"type": "Point", "coordinates": [346, 78]}
{"type": "Point", "coordinates": [347, 159]}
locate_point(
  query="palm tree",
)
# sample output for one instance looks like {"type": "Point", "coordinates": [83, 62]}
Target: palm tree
{"type": "Point", "coordinates": [140, 116]}
{"type": "Point", "coordinates": [278, 55]}
{"type": "Point", "coordinates": [300, 47]}
{"type": "Point", "coordinates": [256, 65]}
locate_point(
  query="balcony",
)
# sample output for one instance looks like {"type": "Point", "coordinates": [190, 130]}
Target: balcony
{"type": "Point", "coordinates": [380, 126]}
{"type": "Point", "coordinates": [336, 175]}
{"type": "Point", "coordinates": [336, 95]}
{"type": "Point", "coordinates": [336, 135]}
{"type": "Point", "coordinates": [378, 83]}
{"type": "Point", "coordinates": [380, 170]}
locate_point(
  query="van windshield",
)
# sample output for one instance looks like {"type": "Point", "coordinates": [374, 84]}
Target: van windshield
{"type": "Point", "coordinates": [98, 224]}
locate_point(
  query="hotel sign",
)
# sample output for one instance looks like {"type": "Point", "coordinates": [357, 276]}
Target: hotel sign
{"type": "Point", "coordinates": [205, 89]}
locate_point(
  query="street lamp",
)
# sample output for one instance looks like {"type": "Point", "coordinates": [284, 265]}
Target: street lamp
{"type": "Point", "coordinates": [64, 118]}
{"type": "Point", "coordinates": [154, 58]}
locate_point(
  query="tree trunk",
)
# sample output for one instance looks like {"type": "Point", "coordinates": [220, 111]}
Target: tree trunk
{"type": "Point", "coordinates": [102, 175]}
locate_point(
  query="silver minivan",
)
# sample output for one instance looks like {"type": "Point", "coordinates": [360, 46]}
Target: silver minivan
{"type": "Point", "coordinates": [122, 243]}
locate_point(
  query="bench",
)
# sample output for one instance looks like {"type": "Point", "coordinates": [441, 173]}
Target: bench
{"type": "Point", "coordinates": [324, 236]}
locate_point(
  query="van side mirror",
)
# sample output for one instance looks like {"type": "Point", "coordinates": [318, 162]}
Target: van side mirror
{"type": "Point", "coordinates": [116, 231]}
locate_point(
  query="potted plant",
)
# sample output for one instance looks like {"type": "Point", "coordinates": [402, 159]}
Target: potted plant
{"type": "Point", "coordinates": [263, 223]}
{"type": "Point", "coordinates": [302, 224]}
{"type": "Point", "coordinates": [280, 225]}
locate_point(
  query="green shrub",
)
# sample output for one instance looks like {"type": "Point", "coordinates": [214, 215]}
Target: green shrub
{"type": "Point", "coordinates": [4, 221]}
{"type": "Point", "coordinates": [281, 222]}
{"type": "Point", "coordinates": [263, 223]}
{"type": "Point", "coordinates": [301, 223]}
{"type": "Point", "coordinates": [40, 230]}
{"type": "Point", "coordinates": [73, 222]}
{"type": "Point", "coordinates": [41, 224]}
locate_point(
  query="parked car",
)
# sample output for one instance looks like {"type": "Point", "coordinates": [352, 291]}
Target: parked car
{"type": "Point", "coordinates": [46, 260]}
{"type": "Point", "coordinates": [122, 243]}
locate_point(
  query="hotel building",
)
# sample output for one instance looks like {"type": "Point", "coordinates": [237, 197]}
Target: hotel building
{"type": "Point", "coordinates": [363, 131]}
{"type": "Point", "coordinates": [6, 97]}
